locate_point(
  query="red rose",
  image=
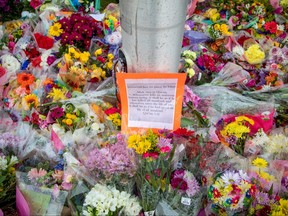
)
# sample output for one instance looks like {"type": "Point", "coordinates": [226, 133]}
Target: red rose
{"type": "Point", "coordinates": [44, 42]}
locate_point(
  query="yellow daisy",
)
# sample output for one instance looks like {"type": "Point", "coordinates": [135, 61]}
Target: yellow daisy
{"type": "Point", "coordinates": [260, 162]}
{"type": "Point", "coordinates": [55, 30]}
{"type": "Point", "coordinates": [57, 94]}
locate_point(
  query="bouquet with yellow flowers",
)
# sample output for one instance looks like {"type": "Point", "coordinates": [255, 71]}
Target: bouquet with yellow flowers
{"type": "Point", "coordinates": [155, 155]}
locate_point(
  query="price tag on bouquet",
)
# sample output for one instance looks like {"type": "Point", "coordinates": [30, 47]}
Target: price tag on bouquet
{"type": "Point", "coordinates": [186, 201]}
{"type": "Point", "coordinates": [150, 100]}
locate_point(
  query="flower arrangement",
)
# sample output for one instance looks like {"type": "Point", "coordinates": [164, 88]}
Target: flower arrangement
{"type": "Point", "coordinates": [76, 30]}
{"type": "Point", "coordinates": [155, 155]}
{"type": "Point", "coordinates": [8, 179]}
{"type": "Point", "coordinates": [107, 200]}
{"type": "Point", "coordinates": [235, 132]}
{"type": "Point", "coordinates": [113, 163]}
{"type": "Point", "coordinates": [254, 54]}
{"type": "Point", "coordinates": [184, 192]}
{"type": "Point", "coordinates": [232, 190]}
{"type": "Point", "coordinates": [219, 30]}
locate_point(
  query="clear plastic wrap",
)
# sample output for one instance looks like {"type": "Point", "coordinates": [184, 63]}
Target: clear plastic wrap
{"type": "Point", "coordinates": [217, 101]}
{"type": "Point", "coordinates": [41, 201]}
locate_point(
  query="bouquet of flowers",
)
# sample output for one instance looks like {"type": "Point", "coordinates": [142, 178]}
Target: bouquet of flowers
{"type": "Point", "coordinates": [184, 193]}
{"type": "Point", "coordinates": [7, 180]}
{"type": "Point", "coordinates": [152, 176]}
{"type": "Point", "coordinates": [232, 191]}
{"type": "Point", "coordinates": [107, 200]}
{"type": "Point", "coordinates": [113, 164]}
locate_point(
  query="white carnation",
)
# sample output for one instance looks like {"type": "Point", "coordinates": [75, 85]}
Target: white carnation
{"type": "Point", "coordinates": [10, 63]}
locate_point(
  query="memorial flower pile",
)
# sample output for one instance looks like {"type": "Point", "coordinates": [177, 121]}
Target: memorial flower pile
{"type": "Point", "coordinates": [60, 121]}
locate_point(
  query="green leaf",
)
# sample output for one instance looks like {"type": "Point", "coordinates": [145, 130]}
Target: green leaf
{"type": "Point", "coordinates": [185, 122]}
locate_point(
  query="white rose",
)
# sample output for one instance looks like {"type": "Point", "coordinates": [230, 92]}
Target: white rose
{"type": "Point", "coordinates": [11, 64]}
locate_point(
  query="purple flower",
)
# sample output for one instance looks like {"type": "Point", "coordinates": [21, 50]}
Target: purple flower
{"type": "Point", "coordinates": [262, 198]}
{"type": "Point", "coordinates": [50, 60]}
{"type": "Point", "coordinates": [193, 187]}
{"type": "Point", "coordinates": [164, 142]}
{"type": "Point", "coordinates": [53, 114]}
{"type": "Point", "coordinates": [284, 183]}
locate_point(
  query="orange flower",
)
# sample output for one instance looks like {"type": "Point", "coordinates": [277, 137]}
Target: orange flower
{"type": "Point", "coordinates": [214, 47]}
{"type": "Point", "coordinates": [25, 79]}
{"type": "Point", "coordinates": [48, 81]}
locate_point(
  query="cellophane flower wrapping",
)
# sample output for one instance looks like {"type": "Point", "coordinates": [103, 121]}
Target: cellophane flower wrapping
{"type": "Point", "coordinates": [231, 192]}
{"type": "Point", "coordinates": [185, 195]}
{"type": "Point", "coordinates": [7, 180]}
{"type": "Point", "coordinates": [107, 200]}
{"type": "Point", "coordinates": [47, 203]}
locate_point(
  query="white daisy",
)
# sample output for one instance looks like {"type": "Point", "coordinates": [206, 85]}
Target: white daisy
{"type": "Point", "coordinates": [231, 177]}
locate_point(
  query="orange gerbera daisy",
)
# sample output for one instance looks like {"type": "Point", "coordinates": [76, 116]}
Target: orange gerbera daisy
{"type": "Point", "coordinates": [25, 79]}
{"type": "Point", "coordinates": [48, 81]}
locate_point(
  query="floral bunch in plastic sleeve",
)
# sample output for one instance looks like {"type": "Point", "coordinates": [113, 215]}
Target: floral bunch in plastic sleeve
{"type": "Point", "coordinates": [232, 191]}
{"type": "Point", "coordinates": [7, 179]}
{"type": "Point", "coordinates": [152, 177]}
{"type": "Point", "coordinates": [41, 199]}
{"type": "Point", "coordinates": [268, 183]}
{"type": "Point", "coordinates": [184, 193]}
{"type": "Point", "coordinates": [107, 200]}
{"type": "Point", "coordinates": [113, 164]}
{"type": "Point", "coordinates": [191, 115]}
{"type": "Point", "coordinates": [76, 30]}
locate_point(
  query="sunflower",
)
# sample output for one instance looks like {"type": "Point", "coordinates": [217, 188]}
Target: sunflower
{"type": "Point", "coordinates": [55, 30]}
{"type": "Point", "coordinates": [30, 100]}
{"type": "Point", "coordinates": [260, 162]}
{"type": "Point", "coordinates": [25, 79]}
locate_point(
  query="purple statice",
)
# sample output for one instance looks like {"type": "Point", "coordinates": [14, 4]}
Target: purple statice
{"type": "Point", "coordinates": [232, 140]}
{"type": "Point", "coordinates": [164, 142]}
{"type": "Point", "coordinates": [8, 140]}
{"type": "Point", "coordinates": [112, 159]}
{"type": "Point", "coordinates": [228, 56]}
{"type": "Point", "coordinates": [284, 183]}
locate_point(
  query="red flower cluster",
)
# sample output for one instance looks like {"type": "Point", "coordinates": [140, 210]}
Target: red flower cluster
{"type": "Point", "coordinates": [44, 42]}
{"type": "Point", "coordinates": [78, 30]}
{"type": "Point", "coordinates": [271, 27]}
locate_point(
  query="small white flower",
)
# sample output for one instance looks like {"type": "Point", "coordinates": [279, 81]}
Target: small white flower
{"type": "Point", "coordinates": [231, 177]}
{"type": "Point", "coordinates": [280, 27]}
{"type": "Point", "coordinates": [3, 163]}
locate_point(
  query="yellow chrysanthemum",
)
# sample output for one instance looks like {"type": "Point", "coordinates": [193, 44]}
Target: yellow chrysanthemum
{"type": "Point", "coordinates": [244, 118]}
{"type": "Point", "coordinates": [115, 118]}
{"type": "Point", "coordinates": [110, 56]}
{"type": "Point", "coordinates": [84, 57]}
{"type": "Point", "coordinates": [57, 94]}
{"type": "Point", "coordinates": [71, 116]}
{"type": "Point", "coordinates": [73, 52]}
{"type": "Point", "coordinates": [260, 162]}
{"type": "Point", "coordinates": [254, 54]}
{"type": "Point", "coordinates": [55, 30]}
{"type": "Point", "coordinates": [236, 129]}
{"type": "Point", "coordinates": [30, 101]}
{"type": "Point", "coordinates": [266, 176]}
{"type": "Point", "coordinates": [98, 52]}
{"type": "Point", "coordinates": [215, 17]}
{"type": "Point", "coordinates": [109, 65]}
{"type": "Point", "coordinates": [68, 122]}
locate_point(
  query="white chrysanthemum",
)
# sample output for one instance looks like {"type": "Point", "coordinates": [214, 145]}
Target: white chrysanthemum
{"type": "Point", "coordinates": [278, 144]}
{"type": "Point", "coordinates": [10, 63]}
{"type": "Point", "coordinates": [3, 163]}
{"type": "Point", "coordinates": [260, 138]}
{"type": "Point", "coordinates": [231, 177]}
